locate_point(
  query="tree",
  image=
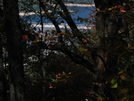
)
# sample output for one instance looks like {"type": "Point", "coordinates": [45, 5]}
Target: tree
{"type": "Point", "coordinates": [102, 62]}
{"type": "Point", "coordinates": [15, 55]}
{"type": "Point", "coordinates": [108, 24]}
{"type": "Point", "coordinates": [106, 51]}
{"type": "Point", "coordinates": [2, 77]}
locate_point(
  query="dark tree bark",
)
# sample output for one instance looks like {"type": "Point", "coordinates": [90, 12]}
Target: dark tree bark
{"type": "Point", "coordinates": [15, 55]}
{"type": "Point", "coordinates": [2, 78]}
{"type": "Point", "coordinates": [106, 26]}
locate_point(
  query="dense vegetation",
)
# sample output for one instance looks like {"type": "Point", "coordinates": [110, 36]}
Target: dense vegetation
{"type": "Point", "coordinates": [71, 64]}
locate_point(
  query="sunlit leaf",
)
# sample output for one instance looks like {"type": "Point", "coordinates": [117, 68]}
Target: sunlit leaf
{"type": "Point", "coordinates": [38, 40]}
{"type": "Point", "coordinates": [114, 83]}
{"type": "Point", "coordinates": [110, 9]}
{"type": "Point", "coordinates": [50, 86]}
{"type": "Point", "coordinates": [94, 11]}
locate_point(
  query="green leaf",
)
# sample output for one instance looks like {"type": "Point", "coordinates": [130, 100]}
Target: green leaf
{"type": "Point", "coordinates": [114, 83]}
{"type": "Point", "coordinates": [110, 9]}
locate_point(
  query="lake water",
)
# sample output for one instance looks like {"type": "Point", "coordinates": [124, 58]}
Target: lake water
{"type": "Point", "coordinates": [79, 11]}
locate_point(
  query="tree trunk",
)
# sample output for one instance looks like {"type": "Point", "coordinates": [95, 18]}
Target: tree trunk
{"type": "Point", "coordinates": [15, 55]}
{"type": "Point", "coordinates": [100, 65]}
{"type": "Point", "coordinates": [107, 27]}
{"type": "Point", "coordinates": [2, 78]}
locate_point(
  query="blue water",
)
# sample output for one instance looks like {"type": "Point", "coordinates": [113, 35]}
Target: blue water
{"type": "Point", "coordinates": [83, 12]}
{"type": "Point", "coordinates": [79, 12]}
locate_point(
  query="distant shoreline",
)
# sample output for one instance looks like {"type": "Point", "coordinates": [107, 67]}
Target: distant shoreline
{"type": "Point", "coordinates": [67, 4]}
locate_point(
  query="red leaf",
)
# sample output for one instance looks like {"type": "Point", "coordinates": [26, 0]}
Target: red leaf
{"type": "Point", "coordinates": [24, 36]}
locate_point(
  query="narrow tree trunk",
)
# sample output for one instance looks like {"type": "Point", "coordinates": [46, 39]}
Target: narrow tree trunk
{"type": "Point", "coordinates": [15, 56]}
{"type": "Point", "coordinates": [43, 87]}
{"type": "Point", "coordinates": [2, 79]}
